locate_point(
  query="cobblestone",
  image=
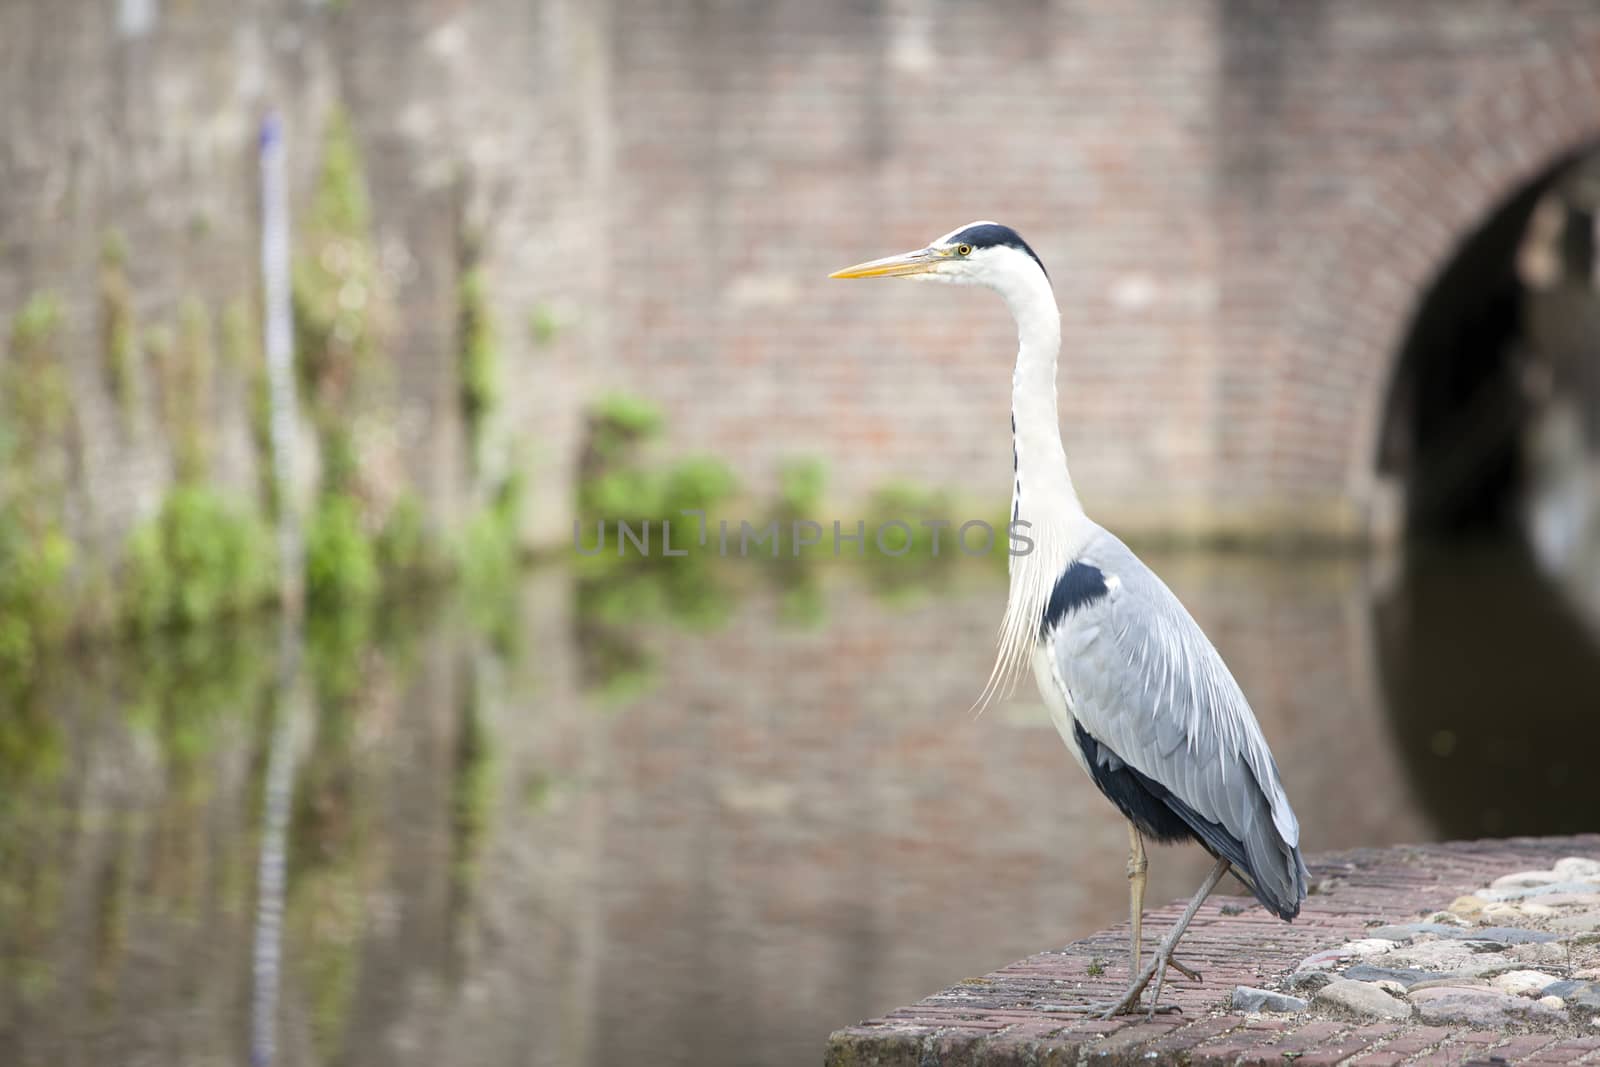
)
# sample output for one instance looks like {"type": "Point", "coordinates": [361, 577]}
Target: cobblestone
{"type": "Point", "coordinates": [1000, 1021]}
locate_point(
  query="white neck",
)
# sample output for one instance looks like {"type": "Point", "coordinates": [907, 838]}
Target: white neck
{"type": "Point", "coordinates": [1042, 492]}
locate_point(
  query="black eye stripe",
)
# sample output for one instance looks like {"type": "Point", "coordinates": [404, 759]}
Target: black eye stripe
{"type": "Point", "coordinates": [990, 235]}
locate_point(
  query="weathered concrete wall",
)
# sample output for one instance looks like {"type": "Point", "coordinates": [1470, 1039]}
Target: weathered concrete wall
{"type": "Point", "coordinates": [141, 119]}
{"type": "Point", "coordinates": [1239, 204]}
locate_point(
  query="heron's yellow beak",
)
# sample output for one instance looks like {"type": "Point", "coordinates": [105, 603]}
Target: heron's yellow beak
{"type": "Point", "coordinates": [922, 261]}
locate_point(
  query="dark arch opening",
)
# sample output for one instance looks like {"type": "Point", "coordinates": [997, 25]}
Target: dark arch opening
{"type": "Point", "coordinates": [1455, 410]}
{"type": "Point", "coordinates": [1490, 671]}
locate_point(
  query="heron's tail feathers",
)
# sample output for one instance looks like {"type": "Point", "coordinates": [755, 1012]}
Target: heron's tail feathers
{"type": "Point", "coordinates": [1283, 898]}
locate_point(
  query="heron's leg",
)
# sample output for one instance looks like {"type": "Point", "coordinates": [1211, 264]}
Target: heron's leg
{"type": "Point", "coordinates": [1163, 958]}
{"type": "Point", "coordinates": [1158, 966]}
{"type": "Point", "coordinates": [1137, 866]}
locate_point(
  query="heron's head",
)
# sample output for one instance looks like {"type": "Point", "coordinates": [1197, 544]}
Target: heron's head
{"type": "Point", "coordinates": [981, 253]}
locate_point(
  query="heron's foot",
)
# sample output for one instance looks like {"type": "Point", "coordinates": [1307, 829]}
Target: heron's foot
{"type": "Point", "coordinates": [1129, 1004]}
{"type": "Point", "coordinates": [1156, 969]}
{"type": "Point", "coordinates": [1182, 968]}
{"type": "Point", "coordinates": [1188, 972]}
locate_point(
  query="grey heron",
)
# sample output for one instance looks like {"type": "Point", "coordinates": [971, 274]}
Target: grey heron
{"type": "Point", "coordinates": [1142, 699]}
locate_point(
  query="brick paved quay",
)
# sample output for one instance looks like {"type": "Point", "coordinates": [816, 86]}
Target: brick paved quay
{"type": "Point", "coordinates": [997, 1019]}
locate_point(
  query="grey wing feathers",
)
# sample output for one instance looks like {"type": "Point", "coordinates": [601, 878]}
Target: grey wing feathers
{"type": "Point", "coordinates": [1142, 679]}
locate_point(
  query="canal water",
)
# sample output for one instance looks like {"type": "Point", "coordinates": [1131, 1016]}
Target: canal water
{"type": "Point", "coordinates": [690, 816]}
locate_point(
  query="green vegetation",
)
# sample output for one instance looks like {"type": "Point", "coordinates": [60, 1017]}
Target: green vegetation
{"type": "Point", "coordinates": [328, 875]}
{"type": "Point", "coordinates": [34, 568]}
{"type": "Point", "coordinates": [801, 483]}
{"type": "Point", "coordinates": [901, 562]}
{"type": "Point", "coordinates": [480, 370]}
{"type": "Point", "coordinates": [188, 372]}
{"type": "Point", "coordinates": [335, 280]}
{"type": "Point", "coordinates": [895, 517]}
{"type": "Point", "coordinates": [207, 553]}
{"type": "Point", "coordinates": [616, 484]}
{"type": "Point", "coordinates": [33, 758]}
{"type": "Point", "coordinates": [36, 556]}
{"type": "Point", "coordinates": [487, 559]}
{"type": "Point", "coordinates": [336, 296]}
{"type": "Point", "coordinates": [242, 355]}
{"type": "Point", "coordinates": [545, 324]}
{"type": "Point", "coordinates": [472, 792]}
{"type": "Point", "coordinates": [619, 419]}
{"type": "Point", "coordinates": [241, 338]}
{"type": "Point", "coordinates": [801, 603]}
{"type": "Point", "coordinates": [336, 644]}
{"type": "Point", "coordinates": [341, 557]}
{"type": "Point", "coordinates": [406, 549]}
{"type": "Point", "coordinates": [34, 384]}
{"type": "Point", "coordinates": [490, 549]}
{"type": "Point", "coordinates": [119, 327]}
{"type": "Point", "coordinates": [189, 688]}
{"type": "Point", "coordinates": [198, 560]}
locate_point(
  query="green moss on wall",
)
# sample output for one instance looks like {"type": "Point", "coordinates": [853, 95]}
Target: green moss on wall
{"type": "Point", "coordinates": [336, 296]}
{"type": "Point", "coordinates": [801, 482]}
{"type": "Point", "coordinates": [241, 337]}
{"type": "Point", "coordinates": [341, 556]}
{"type": "Point", "coordinates": [188, 388]}
{"type": "Point", "coordinates": [616, 481]}
{"type": "Point", "coordinates": [489, 551]}
{"type": "Point", "coordinates": [119, 327]}
{"type": "Point", "coordinates": [545, 324]}
{"type": "Point", "coordinates": [34, 569]}
{"type": "Point", "coordinates": [472, 792]}
{"type": "Point", "coordinates": [335, 278]}
{"type": "Point", "coordinates": [407, 548]}
{"type": "Point", "coordinates": [619, 420]}
{"type": "Point", "coordinates": [198, 560]}
{"type": "Point", "coordinates": [36, 556]}
{"type": "Point", "coordinates": [37, 395]}
{"type": "Point", "coordinates": [479, 357]}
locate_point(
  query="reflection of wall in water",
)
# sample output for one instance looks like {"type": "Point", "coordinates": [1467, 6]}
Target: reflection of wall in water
{"type": "Point", "coordinates": [1490, 675]}
{"type": "Point", "coordinates": [794, 827]}
{"type": "Point", "coordinates": [803, 827]}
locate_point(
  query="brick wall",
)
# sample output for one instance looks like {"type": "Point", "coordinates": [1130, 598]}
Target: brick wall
{"type": "Point", "coordinates": [1239, 202]}
{"type": "Point", "coordinates": [761, 149]}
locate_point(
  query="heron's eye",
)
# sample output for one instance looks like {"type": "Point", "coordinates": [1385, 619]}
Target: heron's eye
{"type": "Point", "coordinates": [963, 250]}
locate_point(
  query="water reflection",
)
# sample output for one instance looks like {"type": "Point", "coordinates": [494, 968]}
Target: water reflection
{"type": "Point", "coordinates": [1493, 672]}
{"type": "Point", "coordinates": [675, 818]}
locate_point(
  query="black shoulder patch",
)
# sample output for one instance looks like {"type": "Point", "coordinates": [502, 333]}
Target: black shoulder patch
{"type": "Point", "coordinates": [990, 234]}
{"type": "Point", "coordinates": [1081, 585]}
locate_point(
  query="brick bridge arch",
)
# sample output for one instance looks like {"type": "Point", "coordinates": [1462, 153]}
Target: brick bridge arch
{"type": "Point", "coordinates": [1353, 307]}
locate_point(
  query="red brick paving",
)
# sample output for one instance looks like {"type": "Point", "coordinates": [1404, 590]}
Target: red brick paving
{"type": "Point", "coordinates": [1403, 1047]}
{"type": "Point", "coordinates": [1521, 1049]}
{"type": "Point", "coordinates": [1573, 1050]}
{"type": "Point", "coordinates": [999, 1020]}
